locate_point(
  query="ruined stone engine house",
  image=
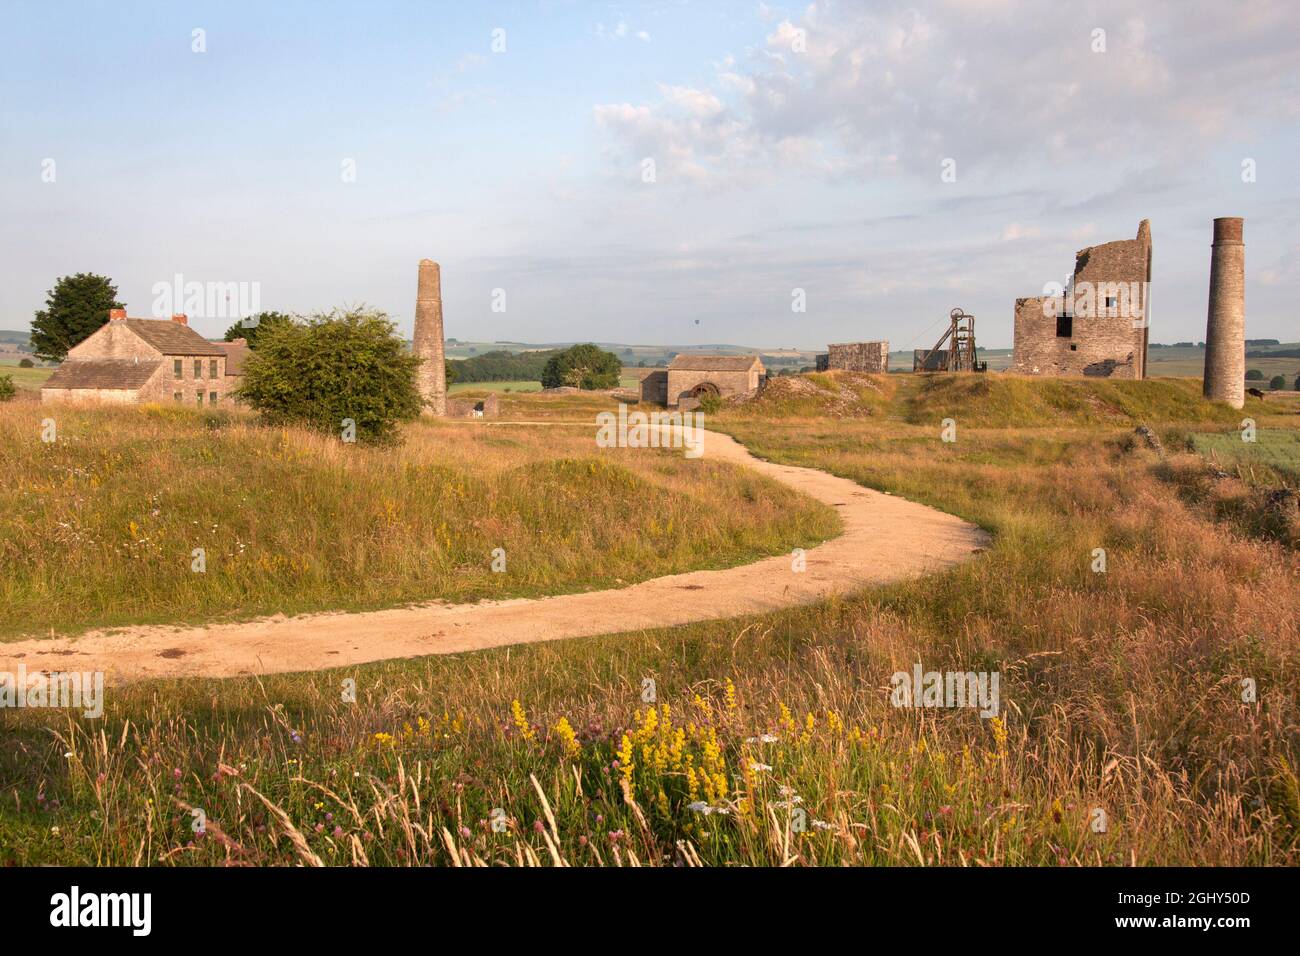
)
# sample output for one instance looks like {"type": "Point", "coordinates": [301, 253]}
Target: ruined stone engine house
{"type": "Point", "coordinates": [1099, 325]}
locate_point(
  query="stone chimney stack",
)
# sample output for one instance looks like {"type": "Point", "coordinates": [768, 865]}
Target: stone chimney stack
{"type": "Point", "coordinates": [1225, 326]}
{"type": "Point", "coordinates": [427, 344]}
{"type": "Point", "coordinates": [117, 315]}
{"type": "Point", "coordinates": [180, 318]}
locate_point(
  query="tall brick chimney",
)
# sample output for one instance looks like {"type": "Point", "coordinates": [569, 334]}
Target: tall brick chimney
{"type": "Point", "coordinates": [427, 342]}
{"type": "Point", "coordinates": [117, 315]}
{"type": "Point", "coordinates": [1225, 325]}
{"type": "Point", "coordinates": [181, 318]}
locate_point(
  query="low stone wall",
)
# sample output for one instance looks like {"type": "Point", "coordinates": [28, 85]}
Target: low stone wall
{"type": "Point", "coordinates": [489, 407]}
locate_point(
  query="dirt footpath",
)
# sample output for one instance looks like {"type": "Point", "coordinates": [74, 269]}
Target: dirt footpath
{"type": "Point", "coordinates": [885, 539]}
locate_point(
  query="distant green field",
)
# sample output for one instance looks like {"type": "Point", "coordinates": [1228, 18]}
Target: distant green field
{"type": "Point", "coordinates": [1277, 449]}
{"type": "Point", "coordinates": [495, 387]}
{"type": "Point", "coordinates": [27, 377]}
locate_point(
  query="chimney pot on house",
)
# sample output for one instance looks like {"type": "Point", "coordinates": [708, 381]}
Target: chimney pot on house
{"type": "Point", "coordinates": [239, 341]}
{"type": "Point", "coordinates": [181, 317]}
{"type": "Point", "coordinates": [117, 315]}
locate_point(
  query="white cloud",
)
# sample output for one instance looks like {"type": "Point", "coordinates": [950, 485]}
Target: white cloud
{"type": "Point", "coordinates": [994, 85]}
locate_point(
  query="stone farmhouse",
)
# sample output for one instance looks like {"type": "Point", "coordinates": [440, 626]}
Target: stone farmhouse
{"type": "Point", "coordinates": [691, 377]}
{"type": "Point", "coordinates": [1099, 326]}
{"type": "Point", "coordinates": [131, 361]}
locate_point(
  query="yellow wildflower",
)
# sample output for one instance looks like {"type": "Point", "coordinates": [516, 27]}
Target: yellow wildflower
{"type": "Point", "coordinates": [521, 720]}
{"type": "Point", "coordinates": [567, 737]}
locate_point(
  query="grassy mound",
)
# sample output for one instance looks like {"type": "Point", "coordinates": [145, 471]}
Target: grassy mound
{"type": "Point", "coordinates": [821, 394]}
{"type": "Point", "coordinates": [1006, 401]}
{"type": "Point", "coordinates": [990, 400]}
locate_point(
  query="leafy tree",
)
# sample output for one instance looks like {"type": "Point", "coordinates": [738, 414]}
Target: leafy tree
{"type": "Point", "coordinates": [1254, 375]}
{"type": "Point", "coordinates": [451, 371]}
{"type": "Point", "coordinates": [7, 390]}
{"type": "Point", "coordinates": [582, 366]}
{"type": "Point", "coordinates": [26, 363]}
{"type": "Point", "coordinates": [333, 367]}
{"type": "Point", "coordinates": [1297, 383]}
{"type": "Point", "coordinates": [252, 327]}
{"type": "Point", "coordinates": [1277, 382]}
{"type": "Point", "coordinates": [74, 309]}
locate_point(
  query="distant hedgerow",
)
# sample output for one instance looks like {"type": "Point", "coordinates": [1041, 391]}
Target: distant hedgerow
{"type": "Point", "coordinates": [334, 368]}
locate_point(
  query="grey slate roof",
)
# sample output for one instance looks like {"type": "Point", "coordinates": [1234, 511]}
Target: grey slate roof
{"type": "Point", "coordinates": [700, 362]}
{"type": "Point", "coordinates": [172, 338]}
{"type": "Point", "coordinates": [236, 352]}
{"type": "Point", "coordinates": [101, 373]}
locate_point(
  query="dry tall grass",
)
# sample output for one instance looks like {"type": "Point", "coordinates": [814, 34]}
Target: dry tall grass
{"type": "Point", "coordinates": [99, 527]}
{"type": "Point", "coordinates": [1121, 692]}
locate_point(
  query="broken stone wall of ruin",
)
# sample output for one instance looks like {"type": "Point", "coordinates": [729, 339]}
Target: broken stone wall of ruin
{"type": "Point", "coordinates": [857, 357]}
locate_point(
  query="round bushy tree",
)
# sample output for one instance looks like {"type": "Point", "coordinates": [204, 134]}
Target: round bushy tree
{"type": "Point", "coordinates": [74, 308]}
{"type": "Point", "coordinates": [1277, 382]}
{"type": "Point", "coordinates": [582, 366]}
{"type": "Point", "coordinates": [331, 369]}
{"type": "Point", "coordinates": [250, 328]}
{"type": "Point", "coordinates": [1254, 375]}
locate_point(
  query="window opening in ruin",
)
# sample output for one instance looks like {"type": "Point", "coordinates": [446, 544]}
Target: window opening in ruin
{"type": "Point", "coordinates": [1064, 326]}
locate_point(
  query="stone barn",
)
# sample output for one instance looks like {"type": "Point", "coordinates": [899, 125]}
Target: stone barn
{"type": "Point", "coordinates": [130, 361]}
{"type": "Point", "coordinates": [1099, 326]}
{"type": "Point", "coordinates": [855, 357]}
{"type": "Point", "coordinates": [694, 376]}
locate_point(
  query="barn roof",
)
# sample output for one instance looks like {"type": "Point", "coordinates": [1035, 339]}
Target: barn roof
{"type": "Point", "coordinates": [699, 362]}
{"type": "Point", "coordinates": [236, 352]}
{"type": "Point", "coordinates": [102, 373]}
{"type": "Point", "coordinates": [172, 338]}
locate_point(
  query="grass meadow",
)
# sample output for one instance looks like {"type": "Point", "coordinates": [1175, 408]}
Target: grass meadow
{"type": "Point", "coordinates": [1149, 711]}
{"type": "Point", "coordinates": [99, 527]}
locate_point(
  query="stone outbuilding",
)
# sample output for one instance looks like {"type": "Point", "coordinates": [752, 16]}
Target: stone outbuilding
{"type": "Point", "coordinates": [693, 376]}
{"type": "Point", "coordinates": [1100, 325]}
{"type": "Point", "coordinates": [130, 361]}
{"type": "Point", "coordinates": [654, 387]}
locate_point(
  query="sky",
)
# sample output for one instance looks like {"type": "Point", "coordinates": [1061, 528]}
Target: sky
{"type": "Point", "coordinates": [670, 173]}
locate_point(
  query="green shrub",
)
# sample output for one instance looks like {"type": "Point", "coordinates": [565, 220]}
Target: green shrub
{"type": "Point", "coordinates": [1277, 382]}
{"type": "Point", "coordinates": [582, 366]}
{"type": "Point", "coordinates": [7, 390]}
{"type": "Point", "coordinates": [1254, 375]}
{"type": "Point", "coordinates": [26, 363]}
{"type": "Point", "coordinates": [332, 368]}
{"type": "Point", "coordinates": [253, 327]}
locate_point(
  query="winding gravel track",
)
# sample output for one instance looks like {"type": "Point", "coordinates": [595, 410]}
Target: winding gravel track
{"type": "Point", "coordinates": [885, 539]}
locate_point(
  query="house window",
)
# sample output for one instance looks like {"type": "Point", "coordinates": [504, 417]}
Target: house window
{"type": "Point", "coordinates": [198, 368]}
{"type": "Point", "coordinates": [1112, 302]}
{"type": "Point", "coordinates": [177, 371]}
{"type": "Point", "coordinates": [212, 398]}
{"type": "Point", "coordinates": [1064, 326]}
{"type": "Point", "coordinates": [178, 396]}
{"type": "Point", "coordinates": [198, 397]}
{"type": "Point", "coordinates": [212, 368]}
